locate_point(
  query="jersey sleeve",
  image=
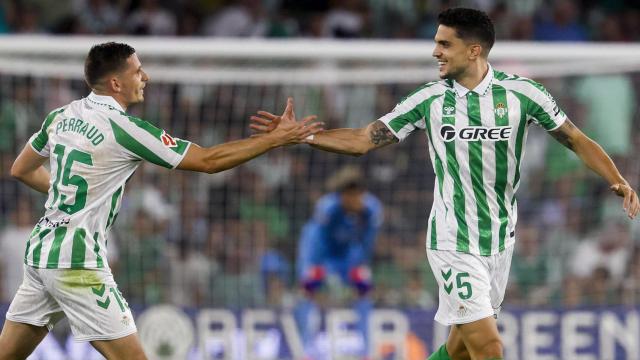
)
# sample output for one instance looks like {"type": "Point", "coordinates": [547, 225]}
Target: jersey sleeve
{"type": "Point", "coordinates": [144, 141]}
{"type": "Point", "coordinates": [408, 115]}
{"type": "Point", "coordinates": [543, 108]}
{"type": "Point", "coordinates": [40, 140]}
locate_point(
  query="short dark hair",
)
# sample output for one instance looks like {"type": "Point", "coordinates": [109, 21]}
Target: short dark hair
{"type": "Point", "coordinates": [104, 59]}
{"type": "Point", "coordinates": [470, 24]}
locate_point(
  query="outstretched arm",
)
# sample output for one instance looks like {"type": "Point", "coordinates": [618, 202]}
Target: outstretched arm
{"type": "Point", "coordinates": [597, 160]}
{"type": "Point", "coordinates": [228, 155]}
{"type": "Point", "coordinates": [343, 141]}
{"type": "Point", "coordinates": [28, 168]}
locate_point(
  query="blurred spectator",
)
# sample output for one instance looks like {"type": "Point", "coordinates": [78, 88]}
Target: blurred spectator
{"type": "Point", "coordinates": [530, 266]}
{"type": "Point", "coordinates": [608, 250]}
{"type": "Point", "coordinates": [18, 117]}
{"type": "Point", "coordinates": [12, 245]}
{"type": "Point", "coordinates": [98, 16]}
{"type": "Point", "coordinates": [562, 24]}
{"type": "Point", "coordinates": [244, 18]}
{"type": "Point", "coordinates": [346, 19]}
{"type": "Point", "coordinates": [150, 18]}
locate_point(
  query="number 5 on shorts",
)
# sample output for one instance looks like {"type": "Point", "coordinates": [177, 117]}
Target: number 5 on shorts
{"type": "Point", "coordinates": [464, 295]}
{"type": "Point", "coordinates": [464, 287]}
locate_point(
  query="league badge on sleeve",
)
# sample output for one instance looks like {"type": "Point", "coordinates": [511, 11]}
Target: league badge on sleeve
{"type": "Point", "coordinates": [167, 140]}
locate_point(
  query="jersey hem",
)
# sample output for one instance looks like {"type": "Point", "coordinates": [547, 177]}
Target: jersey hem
{"type": "Point", "coordinates": [41, 153]}
{"type": "Point", "coordinates": [66, 266]}
{"type": "Point", "coordinates": [506, 247]}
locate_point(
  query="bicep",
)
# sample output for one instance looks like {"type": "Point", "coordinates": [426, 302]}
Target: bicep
{"type": "Point", "coordinates": [28, 160]}
{"type": "Point", "coordinates": [568, 135]}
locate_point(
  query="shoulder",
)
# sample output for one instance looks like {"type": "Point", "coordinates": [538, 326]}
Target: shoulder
{"type": "Point", "coordinates": [426, 91]}
{"type": "Point", "coordinates": [518, 83]}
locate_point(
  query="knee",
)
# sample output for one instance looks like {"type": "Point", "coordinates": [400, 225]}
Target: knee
{"type": "Point", "coordinates": [492, 349]}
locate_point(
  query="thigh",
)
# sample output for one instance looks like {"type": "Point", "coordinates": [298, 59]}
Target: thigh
{"type": "Point", "coordinates": [455, 345]}
{"type": "Point", "coordinates": [126, 348]}
{"type": "Point", "coordinates": [479, 336]}
{"type": "Point", "coordinates": [92, 302]}
{"type": "Point", "coordinates": [464, 287]}
{"type": "Point", "coordinates": [18, 340]}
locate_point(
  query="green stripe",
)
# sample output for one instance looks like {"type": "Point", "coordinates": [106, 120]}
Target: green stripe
{"type": "Point", "coordinates": [416, 114]}
{"type": "Point", "coordinates": [131, 144]}
{"type": "Point", "coordinates": [462, 237]}
{"type": "Point", "coordinates": [96, 249]}
{"type": "Point", "coordinates": [434, 238]}
{"type": "Point", "coordinates": [43, 137]}
{"type": "Point", "coordinates": [500, 100]}
{"type": "Point", "coordinates": [54, 252]}
{"type": "Point", "coordinates": [438, 163]}
{"type": "Point", "coordinates": [520, 137]}
{"type": "Point", "coordinates": [34, 232]}
{"type": "Point", "coordinates": [476, 167]}
{"type": "Point", "coordinates": [157, 133]}
{"type": "Point", "coordinates": [112, 211]}
{"type": "Point", "coordinates": [38, 248]}
{"type": "Point", "coordinates": [79, 248]}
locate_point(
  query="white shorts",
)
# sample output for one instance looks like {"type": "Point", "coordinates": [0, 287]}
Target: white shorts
{"type": "Point", "coordinates": [89, 298]}
{"type": "Point", "coordinates": [470, 287]}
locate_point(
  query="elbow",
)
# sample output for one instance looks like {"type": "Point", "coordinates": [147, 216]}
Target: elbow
{"type": "Point", "coordinates": [16, 172]}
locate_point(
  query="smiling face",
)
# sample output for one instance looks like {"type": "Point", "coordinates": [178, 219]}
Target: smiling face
{"type": "Point", "coordinates": [131, 81]}
{"type": "Point", "coordinates": [454, 54]}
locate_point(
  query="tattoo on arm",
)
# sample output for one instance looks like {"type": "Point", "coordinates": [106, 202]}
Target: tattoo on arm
{"type": "Point", "coordinates": [563, 134]}
{"type": "Point", "coordinates": [380, 134]}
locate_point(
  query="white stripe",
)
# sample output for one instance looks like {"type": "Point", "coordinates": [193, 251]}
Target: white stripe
{"type": "Point", "coordinates": [487, 117]}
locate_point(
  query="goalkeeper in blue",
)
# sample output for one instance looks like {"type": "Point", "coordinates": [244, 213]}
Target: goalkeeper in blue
{"type": "Point", "coordinates": [336, 247]}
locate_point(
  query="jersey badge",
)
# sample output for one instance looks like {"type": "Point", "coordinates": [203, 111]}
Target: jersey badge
{"type": "Point", "coordinates": [501, 110]}
{"type": "Point", "coordinates": [167, 140]}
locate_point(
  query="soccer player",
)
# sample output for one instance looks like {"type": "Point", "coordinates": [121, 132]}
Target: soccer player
{"type": "Point", "coordinates": [93, 147]}
{"type": "Point", "coordinates": [337, 243]}
{"type": "Point", "coordinates": [476, 119]}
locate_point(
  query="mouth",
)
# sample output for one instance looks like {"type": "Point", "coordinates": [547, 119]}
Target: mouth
{"type": "Point", "coordinates": [441, 64]}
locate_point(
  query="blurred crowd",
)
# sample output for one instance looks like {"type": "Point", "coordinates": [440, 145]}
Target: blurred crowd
{"type": "Point", "coordinates": [543, 20]}
{"type": "Point", "coordinates": [230, 239]}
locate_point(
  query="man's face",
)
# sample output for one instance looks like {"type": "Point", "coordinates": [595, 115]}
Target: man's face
{"type": "Point", "coordinates": [352, 200]}
{"type": "Point", "coordinates": [132, 81]}
{"type": "Point", "coordinates": [453, 53]}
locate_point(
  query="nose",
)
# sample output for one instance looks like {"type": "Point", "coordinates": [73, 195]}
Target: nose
{"type": "Point", "coordinates": [436, 52]}
{"type": "Point", "coordinates": [145, 76]}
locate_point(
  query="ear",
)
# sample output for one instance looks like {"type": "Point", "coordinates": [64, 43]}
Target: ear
{"type": "Point", "coordinates": [113, 84]}
{"type": "Point", "coordinates": [475, 51]}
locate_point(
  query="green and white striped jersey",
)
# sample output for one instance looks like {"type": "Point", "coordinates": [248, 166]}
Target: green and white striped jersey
{"type": "Point", "coordinates": [94, 147]}
{"type": "Point", "coordinates": [476, 143]}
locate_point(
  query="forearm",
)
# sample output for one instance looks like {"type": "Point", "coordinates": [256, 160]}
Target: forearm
{"type": "Point", "coordinates": [342, 141]}
{"type": "Point", "coordinates": [37, 179]}
{"type": "Point", "coordinates": [595, 158]}
{"type": "Point", "coordinates": [228, 155]}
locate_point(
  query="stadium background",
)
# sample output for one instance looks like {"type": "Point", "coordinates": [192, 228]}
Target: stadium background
{"type": "Point", "coordinates": [228, 240]}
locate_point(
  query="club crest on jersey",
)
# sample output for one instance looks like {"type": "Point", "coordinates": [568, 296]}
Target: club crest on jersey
{"type": "Point", "coordinates": [167, 140]}
{"type": "Point", "coordinates": [449, 133]}
{"type": "Point", "coordinates": [501, 110]}
{"type": "Point", "coordinates": [449, 110]}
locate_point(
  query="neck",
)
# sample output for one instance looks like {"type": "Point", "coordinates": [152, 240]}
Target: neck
{"type": "Point", "coordinates": [474, 74]}
{"type": "Point", "coordinates": [117, 98]}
